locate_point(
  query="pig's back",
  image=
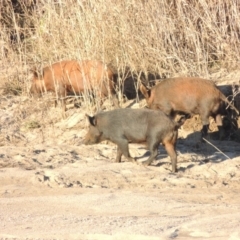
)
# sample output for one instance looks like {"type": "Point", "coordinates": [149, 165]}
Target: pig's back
{"type": "Point", "coordinates": [127, 119]}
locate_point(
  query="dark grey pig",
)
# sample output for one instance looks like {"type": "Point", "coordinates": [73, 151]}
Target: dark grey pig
{"type": "Point", "coordinates": [123, 126]}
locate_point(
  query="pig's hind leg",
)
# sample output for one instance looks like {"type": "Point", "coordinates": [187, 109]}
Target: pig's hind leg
{"type": "Point", "coordinates": [153, 147]}
{"type": "Point", "coordinates": [122, 149]}
{"type": "Point", "coordinates": [119, 155]}
{"type": "Point", "coordinates": [170, 148]}
{"type": "Point", "coordinates": [204, 114]}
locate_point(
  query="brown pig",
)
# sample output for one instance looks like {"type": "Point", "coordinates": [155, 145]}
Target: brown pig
{"type": "Point", "coordinates": [74, 77]}
{"type": "Point", "coordinates": [190, 96]}
{"type": "Point", "coordinates": [123, 126]}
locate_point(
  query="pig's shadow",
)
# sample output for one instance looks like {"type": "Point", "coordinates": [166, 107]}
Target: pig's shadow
{"type": "Point", "coordinates": [160, 156]}
{"type": "Point", "coordinates": [197, 153]}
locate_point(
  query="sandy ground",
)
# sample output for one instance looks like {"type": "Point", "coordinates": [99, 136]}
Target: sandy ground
{"type": "Point", "coordinates": [53, 187]}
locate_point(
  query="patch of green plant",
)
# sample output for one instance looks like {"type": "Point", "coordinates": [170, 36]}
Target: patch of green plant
{"type": "Point", "coordinates": [32, 125]}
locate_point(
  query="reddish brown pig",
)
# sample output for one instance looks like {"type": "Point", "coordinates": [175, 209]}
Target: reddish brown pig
{"type": "Point", "coordinates": [74, 77]}
{"type": "Point", "coordinates": [189, 96]}
{"type": "Point", "coordinates": [123, 126]}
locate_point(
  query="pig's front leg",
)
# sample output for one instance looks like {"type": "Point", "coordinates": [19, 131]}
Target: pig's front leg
{"type": "Point", "coordinates": [123, 150]}
{"type": "Point", "coordinates": [119, 155]}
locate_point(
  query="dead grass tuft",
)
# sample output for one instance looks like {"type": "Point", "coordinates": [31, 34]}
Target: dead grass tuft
{"type": "Point", "coordinates": [169, 38]}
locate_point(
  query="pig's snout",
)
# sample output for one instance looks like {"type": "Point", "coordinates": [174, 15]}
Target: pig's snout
{"type": "Point", "coordinates": [93, 136]}
{"type": "Point", "coordinates": [34, 93]}
{"type": "Point", "coordinates": [85, 142]}
{"type": "Point", "coordinates": [89, 141]}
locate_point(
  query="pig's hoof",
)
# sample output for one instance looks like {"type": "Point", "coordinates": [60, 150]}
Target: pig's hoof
{"type": "Point", "coordinates": [145, 163]}
{"type": "Point", "coordinates": [133, 160]}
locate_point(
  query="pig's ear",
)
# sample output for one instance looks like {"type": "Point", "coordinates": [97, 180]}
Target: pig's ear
{"type": "Point", "coordinates": [34, 72]}
{"type": "Point", "coordinates": [37, 73]}
{"type": "Point", "coordinates": [146, 92]}
{"type": "Point", "coordinates": [92, 120]}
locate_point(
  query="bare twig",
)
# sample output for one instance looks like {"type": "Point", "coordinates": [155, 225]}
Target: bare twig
{"type": "Point", "coordinates": [216, 148]}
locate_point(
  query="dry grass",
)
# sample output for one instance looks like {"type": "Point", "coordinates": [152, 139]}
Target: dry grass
{"type": "Point", "coordinates": [168, 37]}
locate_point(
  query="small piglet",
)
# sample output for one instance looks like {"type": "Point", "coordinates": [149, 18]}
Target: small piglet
{"type": "Point", "coordinates": [123, 126]}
